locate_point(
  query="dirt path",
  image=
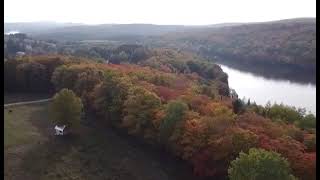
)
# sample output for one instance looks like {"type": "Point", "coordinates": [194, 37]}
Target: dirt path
{"type": "Point", "coordinates": [26, 102]}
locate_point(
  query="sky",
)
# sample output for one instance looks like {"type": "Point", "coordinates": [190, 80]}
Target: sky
{"type": "Point", "coordinates": [182, 12]}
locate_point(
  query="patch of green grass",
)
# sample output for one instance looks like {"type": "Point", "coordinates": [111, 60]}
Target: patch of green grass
{"type": "Point", "coordinates": [18, 128]}
{"type": "Point", "coordinates": [88, 153]}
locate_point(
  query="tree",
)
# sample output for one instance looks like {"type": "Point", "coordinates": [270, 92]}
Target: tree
{"type": "Point", "coordinates": [174, 113]}
{"type": "Point", "coordinates": [31, 76]}
{"type": "Point", "coordinates": [123, 56]}
{"type": "Point", "coordinates": [238, 106]}
{"type": "Point", "coordinates": [307, 122]}
{"type": "Point", "coordinates": [283, 113]}
{"type": "Point", "coordinates": [65, 77]}
{"type": "Point", "coordinates": [248, 103]}
{"type": "Point", "coordinates": [140, 108]}
{"type": "Point", "coordinates": [109, 96]}
{"type": "Point", "coordinates": [260, 164]}
{"type": "Point", "coordinates": [220, 119]}
{"type": "Point", "coordinates": [66, 108]}
{"type": "Point", "coordinates": [10, 75]}
{"type": "Point", "coordinates": [139, 54]}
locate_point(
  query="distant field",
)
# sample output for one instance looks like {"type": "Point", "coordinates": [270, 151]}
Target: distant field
{"type": "Point", "coordinates": [32, 152]}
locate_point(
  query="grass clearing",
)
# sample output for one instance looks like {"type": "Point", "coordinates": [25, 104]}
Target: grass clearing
{"type": "Point", "coordinates": [18, 129]}
{"type": "Point", "coordinates": [32, 152]}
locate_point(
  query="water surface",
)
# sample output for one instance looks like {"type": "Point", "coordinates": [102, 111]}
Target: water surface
{"type": "Point", "coordinates": [262, 90]}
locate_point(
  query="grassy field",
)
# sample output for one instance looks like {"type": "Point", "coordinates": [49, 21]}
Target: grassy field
{"type": "Point", "coordinates": [33, 152]}
{"type": "Point", "coordinates": [18, 129]}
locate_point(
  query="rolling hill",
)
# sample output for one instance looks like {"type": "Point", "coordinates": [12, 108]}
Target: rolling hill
{"type": "Point", "coordinates": [290, 42]}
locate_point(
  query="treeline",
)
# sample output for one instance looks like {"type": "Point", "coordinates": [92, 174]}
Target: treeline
{"type": "Point", "coordinates": [30, 75]}
{"type": "Point", "coordinates": [107, 52]}
{"type": "Point", "coordinates": [280, 113]}
{"type": "Point", "coordinates": [184, 112]}
{"type": "Point", "coordinates": [166, 60]}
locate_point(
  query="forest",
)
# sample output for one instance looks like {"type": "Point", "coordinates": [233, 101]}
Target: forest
{"type": "Point", "coordinates": [178, 102]}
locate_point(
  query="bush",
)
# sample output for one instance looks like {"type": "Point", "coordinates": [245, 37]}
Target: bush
{"type": "Point", "coordinates": [260, 164]}
{"type": "Point", "coordinates": [295, 133]}
{"type": "Point", "coordinates": [66, 108]}
{"type": "Point", "coordinates": [310, 142]}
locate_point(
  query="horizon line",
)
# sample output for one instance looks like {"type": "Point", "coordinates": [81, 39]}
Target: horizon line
{"type": "Point", "coordinates": [230, 22]}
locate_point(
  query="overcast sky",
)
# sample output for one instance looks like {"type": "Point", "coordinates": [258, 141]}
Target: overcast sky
{"type": "Point", "coordinates": [187, 12]}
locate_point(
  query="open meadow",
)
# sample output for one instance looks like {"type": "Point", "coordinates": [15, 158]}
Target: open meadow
{"type": "Point", "coordinates": [32, 152]}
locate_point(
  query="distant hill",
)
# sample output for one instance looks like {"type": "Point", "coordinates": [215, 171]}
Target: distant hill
{"type": "Point", "coordinates": [81, 32]}
{"type": "Point", "coordinates": [289, 45]}
{"type": "Point", "coordinates": [291, 42]}
{"type": "Point", "coordinates": [35, 27]}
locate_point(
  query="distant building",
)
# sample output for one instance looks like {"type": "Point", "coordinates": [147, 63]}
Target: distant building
{"type": "Point", "coordinates": [20, 53]}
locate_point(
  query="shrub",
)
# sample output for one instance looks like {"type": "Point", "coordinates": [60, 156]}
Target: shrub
{"type": "Point", "coordinates": [310, 142]}
{"type": "Point", "coordinates": [260, 164]}
{"type": "Point", "coordinates": [295, 133]}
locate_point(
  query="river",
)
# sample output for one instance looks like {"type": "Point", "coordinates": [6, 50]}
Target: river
{"type": "Point", "coordinates": [262, 90]}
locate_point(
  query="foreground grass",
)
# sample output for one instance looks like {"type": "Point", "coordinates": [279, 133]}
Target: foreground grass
{"type": "Point", "coordinates": [33, 152]}
{"type": "Point", "coordinates": [18, 129]}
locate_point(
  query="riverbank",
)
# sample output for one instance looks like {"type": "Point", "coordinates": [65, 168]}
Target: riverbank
{"type": "Point", "coordinates": [261, 89]}
{"type": "Point", "coordinates": [280, 72]}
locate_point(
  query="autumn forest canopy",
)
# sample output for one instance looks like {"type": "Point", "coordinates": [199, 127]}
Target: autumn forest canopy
{"type": "Point", "coordinates": [179, 102]}
{"type": "Point", "coordinates": [161, 85]}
